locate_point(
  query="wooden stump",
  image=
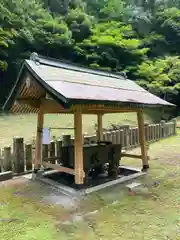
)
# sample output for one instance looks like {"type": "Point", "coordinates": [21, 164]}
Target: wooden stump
{"type": "Point", "coordinates": [18, 155]}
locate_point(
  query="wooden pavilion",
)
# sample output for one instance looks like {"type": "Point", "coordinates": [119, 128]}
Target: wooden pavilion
{"type": "Point", "coordinates": [47, 85]}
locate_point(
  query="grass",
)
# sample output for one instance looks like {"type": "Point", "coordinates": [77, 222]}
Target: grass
{"type": "Point", "coordinates": [152, 213]}
{"type": "Point", "coordinates": [25, 125]}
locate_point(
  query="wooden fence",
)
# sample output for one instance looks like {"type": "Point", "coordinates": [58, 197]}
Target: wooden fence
{"type": "Point", "coordinates": [19, 157]}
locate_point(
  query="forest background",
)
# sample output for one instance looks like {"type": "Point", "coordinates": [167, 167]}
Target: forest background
{"type": "Point", "coordinates": [138, 38]}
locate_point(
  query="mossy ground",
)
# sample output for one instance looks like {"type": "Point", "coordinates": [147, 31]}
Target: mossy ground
{"type": "Point", "coordinates": [152, 213]}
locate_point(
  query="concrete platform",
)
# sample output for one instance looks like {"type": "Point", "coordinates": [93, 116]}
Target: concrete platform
{"type": "Point", "coordinates": [70, 191]}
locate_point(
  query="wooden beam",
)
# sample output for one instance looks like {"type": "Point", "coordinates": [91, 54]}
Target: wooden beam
{"type": "Point", "coordinates": [38, 150]}
{"type": "Point", "coordinates": [51, 106]}
{"type": "Point", "coordinates": [100, 127]}
{"type": "Point", "coordinates": [142, 140]}
{"type": "Point", "coordinates": [78, 142]}
{"type": "Point", "coordinates": [132, 156]}
{"type": "Point", "coordinates": [59, 168]}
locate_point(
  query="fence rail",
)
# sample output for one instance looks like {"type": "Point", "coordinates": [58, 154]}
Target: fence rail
{"type": "Point", "coordinates": [19, 157]}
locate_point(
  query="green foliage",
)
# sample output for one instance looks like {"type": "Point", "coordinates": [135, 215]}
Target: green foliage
{"type": "Point", "coordinates": [112, 44]}
{"type": "Point", "coordinates": [168, 24]}
{"type": "Point", "coordinates": [139, 37]}
{"type": "Point", "coordinates": [160, 76]}
{"type": "Point", "coordinates": [5, 40]}
{"type": "Point", "coordinates": [114, 9]}
{"type": "Point", "coordinates": [79, 23]}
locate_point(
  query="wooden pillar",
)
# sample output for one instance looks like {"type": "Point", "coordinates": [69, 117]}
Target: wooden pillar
{"type": "Point", "coordinates": [38, 150]}
{"type": "Point", "coordinates": [142, 140]}
{"type": "Point", "coordinates": [100, 128]}
{"type": "Point", "coordinates": [78, 143]}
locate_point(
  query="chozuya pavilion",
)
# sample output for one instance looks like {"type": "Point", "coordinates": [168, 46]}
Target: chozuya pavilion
{"type": "Point", "coordinates": [47, 86]}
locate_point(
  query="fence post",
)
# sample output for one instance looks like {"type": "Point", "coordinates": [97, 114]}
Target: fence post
{"type": "Point", "coordinates": [113, 133]}
{"type": "Point", "coordinates": [146, 131]}
{"type": "Point", "coordinates": [7, 159]}
{"type": "Point", "coordinates": [109, 136]}
{"type": "Point", "coordinates": [18, 155]}
{"type": "Point", "coordinates": [121, 135]}
{"type": "Point", "coordinates": [59, 150]}
{"type": "Point", "coordinates": [45, 151]}
{"type": "Point", "coordinates": [134, 137]}
{"type": "Point", "coordinates": [1, 161]}
{"type": "Point", "coordinates": [162, 125]}
{"type": "Point", "coordinates": [174, 126]}
{"type": "Point", "coordinates": [137, 136]}
{"type": "Point", "coordinates": [130, 137]}
{"type": "Point", "coordinates": [52, 150]}
{"type": "Point", "coordinates": [28, 156]}
{"type": "Point", "coordinates": [118, 137]}
{"type": "Point", "coordinates": [127, 137]}
{"type": "Point", "coordinates": [66, 140]}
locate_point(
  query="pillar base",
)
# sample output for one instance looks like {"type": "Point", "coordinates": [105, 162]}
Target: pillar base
{"type": "Point", "coordinates": [145, 168]}
{"type": "Point", "coordinates": [79, 186]}
{"type": "Point", "coordinates": [36, 170]}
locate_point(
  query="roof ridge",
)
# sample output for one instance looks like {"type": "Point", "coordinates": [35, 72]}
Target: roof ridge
{"type": "Point", "coordinates": [65, 64]}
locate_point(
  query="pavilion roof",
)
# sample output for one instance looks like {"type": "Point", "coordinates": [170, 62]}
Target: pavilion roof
{"type": "Point", "coordinates": [70, 84]}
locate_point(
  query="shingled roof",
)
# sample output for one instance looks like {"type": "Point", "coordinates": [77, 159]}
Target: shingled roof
{"type": "Point", "coordinates": [69, 84]}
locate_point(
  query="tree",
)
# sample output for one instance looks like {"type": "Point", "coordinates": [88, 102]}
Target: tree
{"type": "Point", "coordinates": [161, 77]}
{"type": "Point", "coordinates": [36, 30]}
{"type": "Point", "coordinates": [112, 45]}
{"type": "Point", "coordinates": [167, 24]}
{"type": "Point", "coordinates": [5, 38]}
{"type": "Point", "coordinates": [79, 23]}
{"type": "Point", "coordinates": [140, 37]}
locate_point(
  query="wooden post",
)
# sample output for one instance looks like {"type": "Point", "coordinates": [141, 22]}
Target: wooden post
{"type": "Point", "coordinates": [142, 140]}
{"type": "Point", "coordinates": [28, 156]}
{"type": "Point", "coordinates": [18, 155]}
{"type": "Point", "coordinates": [7, 160]}
{"type": "Point", "coordinates": [52, 151]}
{"type": "Point", "coordinates": [59, 150]}
{"type": "Point", "coordinates": [100, 128]}
{"type": "Point", "coordinates": [1, 162]}
{"type": "Point", "coordinates": [79, 170]}
{"type": "Point", "coordinates": [162, 128]}
{"type": "Point", "coordinates": [174, 126]}
{"type": "Point", "coordinates": [45, 151]}
{"type": "Point", "coordinates": [66, 140]}
{"type": "Point", "coordinates": [38, 151]}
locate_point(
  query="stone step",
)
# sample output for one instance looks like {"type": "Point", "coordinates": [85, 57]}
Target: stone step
{"type": "Point", "coordinates": [133, 185]}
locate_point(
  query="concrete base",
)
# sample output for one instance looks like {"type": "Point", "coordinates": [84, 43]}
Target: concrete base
{"type": "Point", "coordinates": [69, 191]}
{"type": "Point", "coordinates": [5, 176]}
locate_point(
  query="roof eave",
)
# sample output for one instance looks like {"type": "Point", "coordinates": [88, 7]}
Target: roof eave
{"type": "Point", "coordinates": [14, 91]}
{"type": "Point", "coordinates": [52, 92]}
{"type": "Point", "coordinates": [123, 104]}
